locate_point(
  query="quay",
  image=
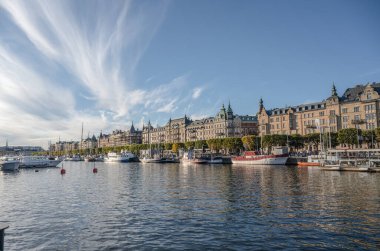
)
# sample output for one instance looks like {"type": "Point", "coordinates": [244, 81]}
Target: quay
{"type": "Point", "coordinates": [2, 230]}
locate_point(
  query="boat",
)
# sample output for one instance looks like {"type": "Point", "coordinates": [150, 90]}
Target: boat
{"type": "Point", "coordinates": [279, 156]}
{"type": "Point", "coordinates": [122, 157]}
{"type": "Point", "coordinates": [89, 159]}
{"type": "Point", "coordinates": [215, 160]}
{"type": "Point", "coordinates": [170, 159]}
{"type": "Point", "coordinates": [74, 158]}
{"type": "Point", "coordinates": [38, 161]}
{"type": "Point", "coordinates": [312, 160]}
{"type": "Point", "coordinates": [190, 158]}
{"type": "Point", "coordinates": [155, 159]}
{"type": "Point", "coordinates": [9, 164]}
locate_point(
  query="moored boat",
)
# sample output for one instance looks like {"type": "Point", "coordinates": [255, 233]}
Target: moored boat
{"type": "Point", "coordinates": [279, 156]}
{"type": "Point", "coordinates": [190, 158]}
{"type": "Point", "coordinates": [9, 164]}
{"type": "Point", "coordinates": [38, 161]}
{"type": "Point", "coordinates": [122, 157]}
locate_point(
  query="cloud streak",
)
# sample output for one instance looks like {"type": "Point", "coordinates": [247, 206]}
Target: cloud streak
{"type": "Point", "coordinates": [67, 62]}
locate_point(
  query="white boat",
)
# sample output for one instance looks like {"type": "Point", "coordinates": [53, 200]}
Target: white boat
{"type": "Point", "coordinates": [190, 158]}
{"type": "Point", "coordinates": [155, 159]}
{"type": "Point", "coordinates": [279, 156]}
{"type": "Point", "coordinates": [74, 158]}
{"type": "Point", "coordinates": [38, 161]}
{"type": "Point", "coordinates": [122, 157]}
{"type": "Point", "coordinates": [9, 164]}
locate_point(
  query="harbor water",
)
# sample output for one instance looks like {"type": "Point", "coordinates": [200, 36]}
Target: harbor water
{"type": "Point", "coordinates": [134, 206]}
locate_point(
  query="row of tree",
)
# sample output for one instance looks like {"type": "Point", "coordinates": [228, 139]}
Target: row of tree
{"type": "Point", "coordinates": [347, 137]}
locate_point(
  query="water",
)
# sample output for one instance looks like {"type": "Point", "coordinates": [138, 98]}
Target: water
{"type": "Point", "coordinates": [170, 206]}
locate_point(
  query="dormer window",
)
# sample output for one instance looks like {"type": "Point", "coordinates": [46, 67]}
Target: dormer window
{"type": "Point", "coordinates": [369, 95]}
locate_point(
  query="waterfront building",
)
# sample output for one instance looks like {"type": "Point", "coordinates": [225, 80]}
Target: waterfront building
{"type": "Point", "coordinates": [120, 138]}
{"type": "Point", "coordinates": [64, 147]}
{"type": "Point", "coordinates": [89, 143]}
{"type": "Point", "coordinates": [223, 125]}
{"type": "Point", "coordinates": [358, 107]}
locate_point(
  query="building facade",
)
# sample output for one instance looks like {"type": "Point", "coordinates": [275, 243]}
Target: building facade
{"type": "Point", "coordinates": [223, 125]}
{"type": "Point", "coordinates": [358, 108]}
{"type": "Point", "coordinates": [120, 138]}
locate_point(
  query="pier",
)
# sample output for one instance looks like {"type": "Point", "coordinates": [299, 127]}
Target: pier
{"type": "Point", "coordinates": [2, 230]}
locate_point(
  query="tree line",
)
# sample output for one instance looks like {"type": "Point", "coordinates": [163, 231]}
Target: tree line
{"type": "Point", "coordinates": [346, 137]}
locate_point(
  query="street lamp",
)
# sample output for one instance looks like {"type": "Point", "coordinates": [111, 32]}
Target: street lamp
{"type": "Point", "coordinates": [358, 122]}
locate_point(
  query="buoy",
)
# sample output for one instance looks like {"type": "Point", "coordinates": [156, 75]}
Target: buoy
{"type": "Point", "coordinates": [63, 171]}
{"type": "Point", "coordinates": [95, 170]}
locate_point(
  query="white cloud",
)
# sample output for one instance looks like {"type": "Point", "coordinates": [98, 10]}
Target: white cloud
{"type": "Point", "coordinates": [69, 65]}
{"type": "Point", "coordinates": [197, 92]}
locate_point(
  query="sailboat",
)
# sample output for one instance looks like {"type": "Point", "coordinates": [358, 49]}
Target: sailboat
{"type": "Point", "coordinates": [150, 159]}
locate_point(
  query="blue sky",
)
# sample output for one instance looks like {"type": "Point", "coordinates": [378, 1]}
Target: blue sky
{"type": "Point", "coordinates": [108, 63]}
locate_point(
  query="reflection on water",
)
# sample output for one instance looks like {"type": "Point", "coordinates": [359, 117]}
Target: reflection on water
{"type": "Point", "coordinates": [135, 206]}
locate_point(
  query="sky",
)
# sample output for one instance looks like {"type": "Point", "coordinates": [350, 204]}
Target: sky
{"type": "Point", "coordinates": [107, 64]}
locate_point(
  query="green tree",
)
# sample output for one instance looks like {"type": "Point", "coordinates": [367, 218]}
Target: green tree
{"type": "Point", "coordinates": [369, 137]}
{"type": "Point", "coordinates": [168, 146]}
{"type": "Point", "coordinates": [199, 144]}
{"type": "Point", "coordinates": [348, 136]}
{"type": "Point", "coordinates": [190, 144]}
{"type": "Point", "coordinates": [312, 139]}
{"type": "Point", "coordinates": [296, 141]}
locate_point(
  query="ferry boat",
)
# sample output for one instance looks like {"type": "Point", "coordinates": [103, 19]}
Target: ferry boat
{"type": "Point", "coordinates": [122, 157]}
{"type": "Point", "coordinates": [38, 161]}
{"type": "Point", "coordinates": [279, 156]}
{"type": "Point", "coordinates": [9, 164]}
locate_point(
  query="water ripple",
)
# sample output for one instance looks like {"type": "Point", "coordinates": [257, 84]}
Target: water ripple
{"type": "Point", "coordinates": [155, 207]}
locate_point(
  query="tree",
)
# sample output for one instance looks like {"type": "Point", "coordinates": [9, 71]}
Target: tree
{"type": "Point", "coordinates": [199, 144]}
{"type": "Point", "coordinates": [296, 141]}
{"type": "Point", "coordinates": [348, 136]}
{"type": "Point", "coordinates": [168, 146]}
{"type": "Point", "coordinates": [369, 137]}
{"type": "Point", "coordinates": [312, 139]}
{"type": "Point", "coordinates": [190, 144]}
{"type": "Point", "coordinates": [279, 139]}
{"type": "Point", "coordinates": [214, 144]}
{"type": "Point", "coordinates": [249, 142]}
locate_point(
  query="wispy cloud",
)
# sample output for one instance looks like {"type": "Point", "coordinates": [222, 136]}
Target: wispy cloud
{"type": "Point", "coordinates": [197, 92]}
{"type": "Point", "coordinates": [68, 62]}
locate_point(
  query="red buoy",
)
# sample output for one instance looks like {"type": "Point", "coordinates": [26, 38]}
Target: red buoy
{"type": "Point", "coordinates": [95, 170]}
{"type": "Point", "coordinates": [63, 171]}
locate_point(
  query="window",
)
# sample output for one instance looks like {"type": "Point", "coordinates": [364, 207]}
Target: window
{"type": "Point", "coordinates": [357, 117]}
{"type": "Point", "coordinates": [277, 119]}
{"type": "Point", "coordinates": [344, 110]}
{"type": "Point", "coordinates": [369, 95]}
{"type": "Point", "coordinates": [345, 119]}
{"type": "Point", "coordinates": [321, 113]}
{"type": "Point", "coordinates": [332, 112]}
{"type": "Point", "coordinates": [356, 109]}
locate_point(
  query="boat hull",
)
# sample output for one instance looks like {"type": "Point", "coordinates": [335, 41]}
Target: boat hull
{"type": "Point", "coordinates": [308, 164]}
{"type": "Point", "coordinates": [9, 165]}
{"type": "Point", "coordinates": [116, 160]}
{"type": "Point", "coordinates": [151, 161]}
{"type": "Point", "coordinates": [261, 161]}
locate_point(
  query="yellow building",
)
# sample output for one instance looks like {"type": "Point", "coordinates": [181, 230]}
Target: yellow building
{"type": "Point", "coordinates": [223, 125]}
{"type": "Point", "coordinates": [358, 107]}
